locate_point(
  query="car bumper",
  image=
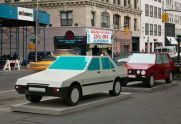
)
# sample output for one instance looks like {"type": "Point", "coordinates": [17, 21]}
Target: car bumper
{"type": "Point", "coordinates": [41, 91]}
{"type": "Point", "coordinates": [136, 78]}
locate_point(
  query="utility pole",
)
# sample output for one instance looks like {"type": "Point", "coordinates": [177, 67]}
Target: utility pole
{"type": "Point", "coordinates": [36, 38]}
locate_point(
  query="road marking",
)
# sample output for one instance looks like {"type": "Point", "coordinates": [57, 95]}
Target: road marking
{"type": "Point", "coordinates": [7, 91]}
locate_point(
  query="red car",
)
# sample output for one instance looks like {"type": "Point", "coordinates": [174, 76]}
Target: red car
{"type": "Point", "coordinates": [150, 67]}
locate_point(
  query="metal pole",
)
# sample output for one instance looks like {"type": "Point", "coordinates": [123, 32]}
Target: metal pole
{"type": "Point", "coordinates": [1, 40]}
{"type": "Point", "coordinates": [26, 43]}
{"type": "Point", "coordinates": [44, 39]}
{"type": "Point", "coordinates": [10, 41]}
{"type": "Point", "coordinates": [148, 40]}
{"type": "Point", "coordinates": [36, 42]}
{"type": "Point", "coordinates": [23, 43]}
{"type": "Point", "coordinates": [113, 43]}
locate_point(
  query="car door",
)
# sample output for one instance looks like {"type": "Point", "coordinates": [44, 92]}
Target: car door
{"type": "Point", "coordinates": [92, 82]}
{"type": "Point", "coordinates": [108, 72]}
{"type": "Point", "coordinates": [158, 70]}
{"type": "Point", "coordinates": [165, 66]}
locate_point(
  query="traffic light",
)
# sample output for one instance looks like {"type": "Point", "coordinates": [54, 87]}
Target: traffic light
{"type": "Point", "coordinates": [126, 29]}
{"type": "Point", "coordinates": [165, 17]}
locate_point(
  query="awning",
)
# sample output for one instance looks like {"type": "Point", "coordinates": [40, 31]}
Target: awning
{"type": "Point", "coordinates": [172, 40]}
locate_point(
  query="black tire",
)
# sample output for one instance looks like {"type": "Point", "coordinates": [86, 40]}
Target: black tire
{"type": "Point", "coordinates": [71, 99]}
{"type": "Point", "coordinates": [116, 88]}
{"type": "Point", "coordinates": [170, 79]}
{"type": "Point", "coordinates": [150, 81]}
{"type": "Point", "coordinates": [33, 98]}
{"type": "Point", "coordinates": [124, 82]}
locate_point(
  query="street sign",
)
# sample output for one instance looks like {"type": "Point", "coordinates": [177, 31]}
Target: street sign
{"type": "Point", "coordinates": [165, 17]}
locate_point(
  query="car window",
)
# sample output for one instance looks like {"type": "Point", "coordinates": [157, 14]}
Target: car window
{"type": "Point", "coordinates": [106, 63]}
{"type": "Point", "coordinates": [70, 63]}
{"type": "Point", "coordinates": [165, 59]}
{"type": "Point", "coordinates": [158, 59]}
{"type": "Point", "coordinates": [94, 65]}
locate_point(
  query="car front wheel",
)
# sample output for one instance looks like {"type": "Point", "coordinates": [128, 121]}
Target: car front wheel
{"type": "Point", "coordinates": [116, 88]}
{"type": "Point", "coordinates": [33, 98]}
{"type": "Point", "coordinates": [150, 81]}
{"type": "Point", "coordinates": [170, 78]}
{"type": "Point", "coordinates": [73, 96]}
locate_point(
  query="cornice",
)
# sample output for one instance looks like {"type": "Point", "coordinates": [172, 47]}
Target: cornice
{"type": "Point", "coordinates": [98, 4]}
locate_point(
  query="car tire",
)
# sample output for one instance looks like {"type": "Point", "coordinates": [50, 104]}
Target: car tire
{"type": "Point", "coordinates": [150, 81]}
{"type": "Point", "coordinates": [33, 98]}
{"type": "Point", "coordinates": [170, 79]}
{"type": "Point", "coordinates": [116, 88]}
{"type": "Point", "coordinates": [73, 95]}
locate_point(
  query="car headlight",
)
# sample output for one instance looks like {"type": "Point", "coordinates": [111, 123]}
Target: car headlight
{"type": "Point", "coordinates": [129, 71]}
{"type": "Point", "coordinates": [138, 71]}
{"type": "Point", "coordinates": [143, 72]}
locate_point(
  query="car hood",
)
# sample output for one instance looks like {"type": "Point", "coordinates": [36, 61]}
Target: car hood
{"type": "Point", "coordinates": [138, 66]}
{"type": "Point", "coordinates": [49, 77]}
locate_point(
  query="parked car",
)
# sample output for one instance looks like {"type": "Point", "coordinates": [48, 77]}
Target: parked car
{"type": "Point", "coordinates": [123, 58]}
{"type": "Point", "coordinates": [71, 77]}
{"type": "Point", "coordinates": [42, 64]}
{"type": "Point", "coordinates": [150, 67]}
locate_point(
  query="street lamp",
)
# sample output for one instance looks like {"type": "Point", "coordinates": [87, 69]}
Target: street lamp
{"type": "Point", "coordinates": [37, 23]}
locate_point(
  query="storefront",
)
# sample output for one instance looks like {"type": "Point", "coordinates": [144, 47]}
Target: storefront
{"type": "Point", "coordinates": [90, 41]}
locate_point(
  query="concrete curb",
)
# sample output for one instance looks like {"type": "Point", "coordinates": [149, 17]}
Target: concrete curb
{"type": "Point", "coordinates": [52, 108]}
{"type": "Point", "coordinates": [148, 90]}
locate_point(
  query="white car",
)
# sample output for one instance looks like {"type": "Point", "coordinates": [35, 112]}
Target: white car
{"type": "Point", "coordinates": [72, 77]}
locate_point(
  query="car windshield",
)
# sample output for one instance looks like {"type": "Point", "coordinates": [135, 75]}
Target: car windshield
{"type": "Point", "coordinates": [70, 63]}
{"type": "Point", "coordinates": [142, 58]}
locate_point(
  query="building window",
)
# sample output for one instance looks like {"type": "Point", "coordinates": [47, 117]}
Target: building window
{"type": "Point", "coordinates": [105, 20]}
{"type": "Point", "coordinates": [127, 21]}
{"type": "Point", "coordinates": [146, 29]}
{"type": "Point", "coordinates": [155, 12]}
{"type": "Point", "coordinates": [66, 18]}
{"type": "Point", "coordinates": [125, 3]}
{"type": "Point", "coordinates": [151, 11]}
{"type": "Point", "coordinates": [159, 30]}
{"type": "Point", "coordinates": [135, 24]}
{"type": "Point", "coordinates": [116, 19]}
{"type": "Point", "coordinates": [114, 1]}
{"type": "Point", "coordinates": [146, 10]}
{"type": "Point", "coordinates": [135, 4]}
{"type": "Point", "coordinates": [155, 30]}
{"type": "Point", "coordinates": [151, 29]}
{"type": "Point", "coordinates": [92, 18]}
{"type": "Point", "coordinates": [159, 13]}
{"type": "Point", "coordinates": [119, 2]}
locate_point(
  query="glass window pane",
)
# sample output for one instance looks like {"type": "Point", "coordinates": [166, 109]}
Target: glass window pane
{"type": "Point", "coordinates": [158, 59]}
{"type": "Point", "coordinates": [106, 63]}
{"type": "Point", "coordinates": [94, 65]}
{"type": "Point", "coordinates": [165, 59]}
{"type": "Point", "coordinates": [63, 15]}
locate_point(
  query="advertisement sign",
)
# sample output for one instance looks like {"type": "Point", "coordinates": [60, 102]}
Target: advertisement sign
{"type": "Point", "coordinates": [98, 36]}
{"type": "Point", "coordinates": [75, 40]}
{"type": "Point", "coordinates": [25, 14]}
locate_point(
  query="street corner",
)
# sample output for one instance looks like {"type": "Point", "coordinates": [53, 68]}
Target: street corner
{"type": "Point", "coordinates": [139, 87]}
{"type": "Point", "coordinates": [55, 106]}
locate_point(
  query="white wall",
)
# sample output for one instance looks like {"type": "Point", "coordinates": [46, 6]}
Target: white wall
{"type": "Point", "coordinates": [150, 20]}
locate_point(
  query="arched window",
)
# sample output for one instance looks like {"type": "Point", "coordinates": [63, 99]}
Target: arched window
{"type": "Point", "coordinates": [105, 20]}
{"type": "Point", "coordinates": [127, 20]}
{"type": "Point", "coordinates": [116, 21]}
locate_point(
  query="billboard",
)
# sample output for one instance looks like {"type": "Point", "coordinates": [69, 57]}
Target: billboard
{"type": "Point", "coordinates": [25, 14]}
{"type": "Point", "coordinates": [96, 36]}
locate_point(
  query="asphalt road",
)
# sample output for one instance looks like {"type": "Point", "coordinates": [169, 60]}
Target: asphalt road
{"type": "Point", "coordinates": [160, 107]}
{"type": "Point", "coordinates": [8, 79]}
